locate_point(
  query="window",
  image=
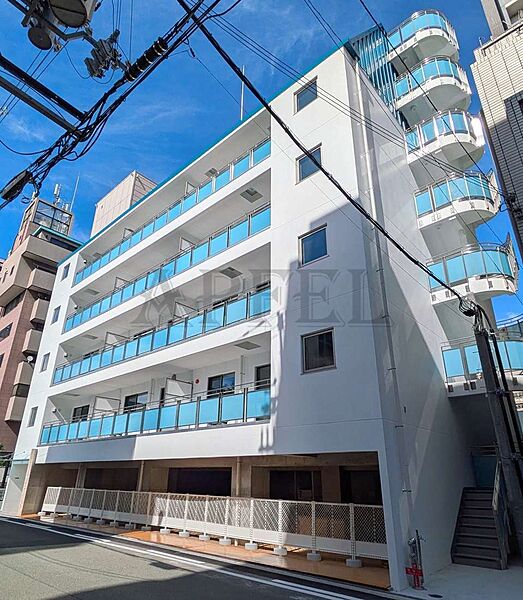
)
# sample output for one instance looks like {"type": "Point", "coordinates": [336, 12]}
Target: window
{"type": "Point", "coordinates": [21, 390]}
{"type": "Point", "coordinates": [318, 351]}
{"type": "Point", "coordinates": [65, 272]}
{"type": "Point", "coordinates": [45, 362]}
{"type": "Point", "coordinates": [306, 167]}
{"type": "Point", "coordinates": [80, 413]}
{"type": "Point", "coordinates": [13, 304]}
{"type": "Point", "coordinates": [313, 245]}
{"type": "Point", "coordinates": [135, 401]}
{"type": "Point", "coordinates": [1, 359]}
{"type": "Point", "coordinates": [5, 332]}
{"type": "Point", "coordinates": [32, 416]}
{"type": "Point", "coordinates": [306, 95]}
{"type": "Point", "coordinates": [56, 314]}
{"type": "Point", "coordinates": [221, 384]}
{"type": "Point", "coordinates": [262, 377]}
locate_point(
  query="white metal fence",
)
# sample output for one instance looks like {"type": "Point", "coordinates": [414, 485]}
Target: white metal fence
{"type": "Point", "coordinates": [354, 530]}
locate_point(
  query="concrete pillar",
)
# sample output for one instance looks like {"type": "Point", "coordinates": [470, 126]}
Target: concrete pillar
{"type": "Point", "coordinates": [80, 476]}
{"type": "Point", "coordinates": [139, 483]}
{"type": "Point", "coordinates": [330, 484]}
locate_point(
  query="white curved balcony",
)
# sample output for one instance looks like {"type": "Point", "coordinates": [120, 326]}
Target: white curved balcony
{"type": "Point", "coordinates": [485, 271]}
{"type": "Point", "coordinates": [424, 34]}
{"type": "Point", "coordinates": [436, 81]}
{"type": "Point", "coordinates": [471, 197]}
{"type": "Point", "coordinates": [452, 138]}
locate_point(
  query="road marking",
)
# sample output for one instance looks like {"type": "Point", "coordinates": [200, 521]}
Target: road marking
{"type": "Point", "coordinates": [278, 583]}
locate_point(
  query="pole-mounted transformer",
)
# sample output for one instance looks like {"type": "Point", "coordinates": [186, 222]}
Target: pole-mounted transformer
{"type": "Point", "coordinates": [73, 13]}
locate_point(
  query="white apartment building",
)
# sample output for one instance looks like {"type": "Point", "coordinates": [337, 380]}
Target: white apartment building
{"type": "Point", "coordinates": [242, 330]}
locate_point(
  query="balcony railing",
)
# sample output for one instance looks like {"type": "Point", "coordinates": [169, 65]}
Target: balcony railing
{"type": "Point", "coordinates": [462, 361]}
{"type": "Point", "coordinates": [238, 231]}
{"type": "Point", "coordinates": [431, 68]}
{"type": "Point", "coordinates": [232, 171]}
{"type": "Point", "coordinates": [469, 186]}
{"type": "Point", "coordinates": [242, 404]}
{"type": "Point", "coordinates": [448, 123]}
{"type": "Point", "coordinates": [427, 19]}
{"type": "Point", "coordinates": [247, 306]}
{"type": "Point", "coordinates": [474, 261]}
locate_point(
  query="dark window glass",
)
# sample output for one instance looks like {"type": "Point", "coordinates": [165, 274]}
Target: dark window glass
{"type": "Point", "coordinates": [65, 272]}
{"type": "Point", "coordinates": [314, 245]}
{"type": "Point", "coordinates": [80, 413]}
{"type": "Point", "coordinates": [306, 95]}
{"type": "Point", "coordinates": [221, 384]}
{"type": "Point", "coordinates": [306, 167]}
{"type": "Point", "coordinates": [5, 332]}
{"type": "Point", "coordinates": [318, 351]}
{"type": "Point", "coordinates": [32, 416]}
{"type": "Point", "coordinates": [13, 304]}
{"type": "Point", "coordinates": [21, 390]}
{"type": "Point", "coordinates": [56, 314]}
{"type": "Point", "coordinates": [263, 376]}
{"type": "Point", "coordinates": [135, 401]}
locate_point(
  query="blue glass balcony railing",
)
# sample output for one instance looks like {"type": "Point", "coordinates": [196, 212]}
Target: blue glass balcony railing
{"type": "Point", "coordinates": [248, 160]}
{"type": "Point", "coordinates": [428, 19]}
{"type": "Point", "coordinates": [447, 123]}
{"type": "Point", "coordinates": [238, 231]}
{"type": "Point", "coordinates": [431, 68]}
{"type": "Point", "coordinates": [241, 308]}
{"type": "Point", "coordinates": [468, 186]}
{"type": "Point", "coordinates": [248, 403]}
{"type": "Point", "coordinates": [474, 261]}
{"type": "Point", "coordinates": [462, 359]}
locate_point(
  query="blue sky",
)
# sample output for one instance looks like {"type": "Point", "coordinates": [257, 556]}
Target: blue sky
{"type": "Point", "coordinates": [181, 109]}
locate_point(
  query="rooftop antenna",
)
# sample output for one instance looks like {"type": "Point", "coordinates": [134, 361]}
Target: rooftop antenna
{"type": "Point", "coordinates": [242, 97]}
{"type": "Point", "coordinates": [74, 193]}
{"type": "Point", "coordinates": [56, 194]}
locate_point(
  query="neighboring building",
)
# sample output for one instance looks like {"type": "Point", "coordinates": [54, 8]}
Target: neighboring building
{"type": "Point", "coordinates": [243, 331]}
{"type": "Point", "coordinates": [120, 199]}
{"type": "Point", "coordinates": [26, 281]}
{"type": "Point", "coordinates": [498, 72]}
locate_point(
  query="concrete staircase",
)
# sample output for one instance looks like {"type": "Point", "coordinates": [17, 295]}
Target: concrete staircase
{"type": "Point", "coordinates": [476, 540]}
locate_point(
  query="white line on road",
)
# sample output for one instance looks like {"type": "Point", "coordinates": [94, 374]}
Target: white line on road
{"type": "Point", "coordinates": [279, 583]}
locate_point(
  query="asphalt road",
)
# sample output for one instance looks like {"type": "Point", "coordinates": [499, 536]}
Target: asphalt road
{"type": "Point", "coordinates": [40, 562]}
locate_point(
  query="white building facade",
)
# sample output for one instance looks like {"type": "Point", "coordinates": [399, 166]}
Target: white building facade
{"type": "Point", "coordinates": [243, 331]}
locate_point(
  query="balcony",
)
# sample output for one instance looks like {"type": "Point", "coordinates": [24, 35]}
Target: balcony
{"type": "Point", "coordinates": [235, 233]}
{"type": "Point", "coordinates": [436, 82]}
{"type": "Point", "coordinates": [424, 34]}
{"type": "Point", "coordinates": [485, 271]}
{"type": "Point", "coordinates": [32, 341]}
{"type": "Point", "coordinates": [243, 404]}
{"type": "Point", "coordinates": [239, 309]}
{"type": "Point", "coordinates": [471, 196]}
{"type": "Point", "coordinates": [39, 310]}
{"type": "Point", "coordinates": [463, 367]}
{"type": "Point", "coordinates": [455, 138]}
{"type": "Point", "coordinates": [200, 193]}
{"type": "Point", "coordinates": [41, 281]}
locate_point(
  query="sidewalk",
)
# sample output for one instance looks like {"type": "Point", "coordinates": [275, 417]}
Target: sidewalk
{"type": "Point", "coordinates": [373, 573]}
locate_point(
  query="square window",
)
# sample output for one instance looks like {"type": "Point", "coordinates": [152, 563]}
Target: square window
{"type": "Point", "coordinates": [306, 95]}
{"type": "Point", "coordinates": [45, 362]}
{"type": "Point", "coordinates": [318, 351]}
{"type": "Point", "coordinates": [65, 272]}
{"type": "Point", "coordinates": [56, 314]}
{"type": "Point", "coordinates": [32, 416]}
{"type": "Point", "coordinates": [306, 167]}
{"type": "Point", "coordinates": [313, 245]}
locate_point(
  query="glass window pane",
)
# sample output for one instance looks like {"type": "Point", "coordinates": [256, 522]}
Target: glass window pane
{"type": "Point", "coordinates": [222, 178]}
{"type": "Point", "coordinates": [458, 188]}
{"type": "Point", "coordinates": [116, 298]}
{"type": "Point", "coordinates": [200, 252]}
{"type": "Point", "coordinates": [318, 351]}
{"type": "Point", "coordinates": [493, 262]}
{"type": "Point", "coordinates": [84, 365]}
{"type": "Point", "coordinates": [107, 425]}
{"type": "Point", "coordinates": [455, 269]}
{"type": "Point", "coordinates": [62, 432]}
{"type": "Point", "coordinates": [208, 411]}
{"type": "Point", "coordinates": [183, 262]}
{"type": "Point", "coordinates": [139, 285]}
{"type": "Point", "coordinates": [145, 343]}
{"type": "Point", "coordinates": [314, 246]}
{"type": "Point", "coordinates": [53, 435]}
{"type": "Point", "coordinates": [147, 230]}
{"type": "Point", "coordinates": [83, 428]}
{"type": "Point", "coordinates": [136, 237]}
{"type": "Point", "coordinates": [428, 133]}
{"type": "Point", "coordinates": [472, 358]}
{"type": "Point", "coordinates": [187, 414]}
{"type": "Point", "coordinates": [68, 324]}
{"type": "Point", "coordinates": [160, 338]}
{"type": "Point", "coordinates": [515, 355]}
{"type": "Point", "coordinates": [453, 363]}
{"type": "Point", "coordinates": [460, 123]}
{"type": "Point", "coordinates": [260, 302]}
{"type": "Point", "coordinates": [395, 38]}
{"type": "Point", "coordinates": [412, 140]}
{"type": "Point", "coordinates": [125, 245]}
{"type": "Point", "coordinates": [236, 310]}
{"type": "Point", "coordinates": [189, 201]}
{"type": "Point", "coordinates": [505, 264]}
{"type": "Point", "coordinates": [107, 357]}
{"type": "Point", "coordinates": [241, 166]}
{"type": "Point", "coordinates": [167, 271]}
{"type": "Point", "coordinates": [131, 348]}
{"type": "Point", "coordinates": [57, 375]}
{"type": "Point", "coordinates": [66, 373]}
{"type": "Point", "coordinates": [218, 243]}
{"type": "Point", "coordinates": [438, 270]}
{"type": "Point", "coordinates": [474, 264]}
{"type": "Point", "coordinates": [114, 253]}
{"type": "Point", "coordinates": [475, 185]}
{"type": "Point", "coordinates": [168, 417]}
{"type": "Point", "coordinates": [258, 404]}
{"type": "Point", "coordinates": [95, 310]}
{"type": "Point", "coordinates": [105, 304]}
{"type": "Point", "coordinates": [261, 152]}
{"type": "Point", "coordinates": [75, 368]}
{"type": "Point", "coordinates": [445, 67]}
{"type": "Point", "coordinates": [214, 318]}
{"type": "Point", "coordinates": [153, 279]}
{"type": "Point", "coordinates": [150, 419]}
{"type": "Point", "coordinates": [261, 220]}
{"type": "Point", "coordinates": [135, 421]}
{"type": "Point", "coordinates": [128, 292]}
{"type": "Point", "coordinates": [95, 427]}
{"type": "Point", "coordinates": [441, 195]}
{"type": "Point", "coordinates": [431, 69]}
{"type": "Point", "coordinates": [118, 353]}
{"type": "Point", "coordinates": [174, 211]}
{"type": "Point", "coordinates": [238, 232]}
{"type": "Point", "coordinates": [44, 437]}
{"type": "Point", "coordinates": [194, 326]}
{"type": "Point", "coordinates": [204, 191]}
{"type": "Point", "coordinates": [160, 221]}
{"type": "Point", "coordinates": [176, 332]}
{"type": "Point", "coordinates": [423, 203]}
{"type": "Point", "coordinates": [232, 407]}
{"type": "Point", "coordinates": [95, 362]}
{"type": "Point", "coordinates": [120, 424]}
{"type": "Point", "coordinates": [305, 165]}
{"type": "Point", "coordinates": [306, 95]}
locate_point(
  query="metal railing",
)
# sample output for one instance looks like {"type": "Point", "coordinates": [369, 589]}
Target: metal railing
{"type": "Point", "coordinates": [241, 229]}
{"type": "Point", "coordinates": [207, 320]}
{"type": "Point", "coordinates": [419, 21]}
{"type": "Point", "coordinates": [447, 123]}
{"type": "Point", "coordinates": [355, 530]}
{"type": "Point", "coordinates": [233, 170]}
{"type": "Point", "coordinates": [430, 68]}
{"type": "Point", "coordinates": [501, 515]}
{"type": "Point", "coordinates": [241, 404]}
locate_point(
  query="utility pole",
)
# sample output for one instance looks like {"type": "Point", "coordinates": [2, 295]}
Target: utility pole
{"type": "Point", "coordinates": [504, 420]}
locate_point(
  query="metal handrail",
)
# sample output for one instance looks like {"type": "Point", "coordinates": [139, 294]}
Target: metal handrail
{"type": "Point", "coordinates": [462, 78]}
{"type": "Point", "coordinates": [471, 248]}
{"type": "Point", "coordinates": [451, 32]}
{"type": "Point", "coordinates": [501, 514]}
{"type": "Point", "coordinates": [469, 116]}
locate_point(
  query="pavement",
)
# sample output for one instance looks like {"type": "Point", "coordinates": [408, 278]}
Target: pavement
{"type": "Point", "coordinates": [44, 562]}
